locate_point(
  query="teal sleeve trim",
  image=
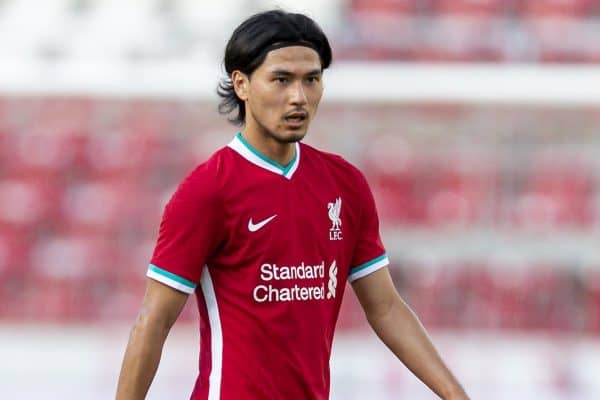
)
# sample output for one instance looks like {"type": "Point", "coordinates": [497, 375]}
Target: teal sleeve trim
{"type": "Point", "coordinates": [172, 276]}
{"type": "Point", "coordinates": [367, 264]}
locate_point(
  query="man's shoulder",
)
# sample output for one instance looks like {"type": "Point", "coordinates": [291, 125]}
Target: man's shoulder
{"type": "Point", "coordinates": [214, 166]}
{"type": "Point", "coordinates": [333, 161]}
{"type": "Point", "coordinates": [207, 177]}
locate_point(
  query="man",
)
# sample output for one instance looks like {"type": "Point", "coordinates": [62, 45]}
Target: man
{"type": "Point", "coordinates": [266, 233]}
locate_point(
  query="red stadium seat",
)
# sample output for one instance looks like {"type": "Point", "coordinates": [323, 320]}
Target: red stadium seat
{"type": "Point", "coordinates": [386, 6]}
{"type": "Point", "coordinates": [22, 203]}
{"type": "Point", "coordinates": [135, 256]}
{"type": "Point", "coordinates": [475, 288]}
{"type": "Point", "coordinates": [513, 297]}
{"type": "Point", "coordinates": [592, 311]}
{"type": "Point", "coordinates": [556, 194]}
{"type": "Point", "coordinates": [148, 118]}
{"type": "Point", "coordinates": [27, 203]}
{"type": "Point", "coordinates": [14, 257]}
{"type": "Point", "coordinates": [62, 114]}
{"type": "Point", "coordinates": [121, 301]}
{"type": "Point", "coordinates": [70, 257]}
{"type": "Point", "coordinates": [380, 36]}
{"type": "Point", "coordinates": [460, 193]}
{"type": "Point", "coordinates": [560, 8]}
{"type": "Point", "coordinates": [423, 291]}
{"type": "Point", "coordinates": [560, 40]}
{"type": "Point", "coordinates": [589, 46]}
{"type": "Point", "coordinates": [482, 8]}
{"type": "Point", "coordinates": [70, 276]}
{"type": "Point", "coordinates": [96, 206]}
{"type": "Point", "coordinates": [116, 154]}
{"type": "Point", "coordinates": [5, 147]}
{"type": "Point", "coordinates": [38, 155]}
{"type": "Point", "coordinates": [393, 172]}
{"type": "Point", "coordinates": [465, 39]}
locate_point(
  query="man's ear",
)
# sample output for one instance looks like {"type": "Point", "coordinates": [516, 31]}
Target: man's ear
{"type": "Point", "coordinates": [240, 83]}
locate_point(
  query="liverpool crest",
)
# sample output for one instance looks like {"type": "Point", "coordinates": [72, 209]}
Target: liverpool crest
{"type": "Point", "coordinates": [335, 209]}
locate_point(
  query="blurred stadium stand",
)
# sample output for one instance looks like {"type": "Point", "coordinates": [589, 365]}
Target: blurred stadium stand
{"type": "Point", "coordinates": [472, 30]}
{"type": "Point", "coordinates": [83, 183]}
{"type": "Point", "coordinates": [400, 30]}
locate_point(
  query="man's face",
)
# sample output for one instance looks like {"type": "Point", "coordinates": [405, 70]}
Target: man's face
{"type": "Point", "coordinates": [282, 95]}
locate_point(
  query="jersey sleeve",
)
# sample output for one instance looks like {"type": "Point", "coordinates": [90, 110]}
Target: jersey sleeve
{"type": "Point", "coordinates": [369, 253]}
{"type": "Point", "coordinates": [189, 233]}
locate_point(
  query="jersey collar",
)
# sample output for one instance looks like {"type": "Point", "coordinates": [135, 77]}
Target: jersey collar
{"type": "Point", "coordinates": [243, 148]}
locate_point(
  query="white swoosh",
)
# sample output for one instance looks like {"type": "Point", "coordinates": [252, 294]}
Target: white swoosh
{"type": "Point", "coordinates": [254, 227]}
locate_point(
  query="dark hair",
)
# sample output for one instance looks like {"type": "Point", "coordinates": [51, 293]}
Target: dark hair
{"type": "Point", "coordinates": [249, 44]}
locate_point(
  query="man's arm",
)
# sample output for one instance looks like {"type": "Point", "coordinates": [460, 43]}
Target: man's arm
{"type": "Point", "coordinates": [402, 332]}
{"type": "Point", "coordinates": [161, 307]}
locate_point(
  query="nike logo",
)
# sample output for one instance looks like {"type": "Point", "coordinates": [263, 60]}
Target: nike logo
{"type": "Point", "coordinates": [254, 227]}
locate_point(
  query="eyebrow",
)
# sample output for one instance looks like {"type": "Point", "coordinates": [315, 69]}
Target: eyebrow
{"type": "Point", "coordinates": [283, 72]}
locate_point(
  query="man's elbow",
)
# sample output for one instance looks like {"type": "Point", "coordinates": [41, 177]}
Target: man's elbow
{"type": "Point", "coordinates": [380, 310]}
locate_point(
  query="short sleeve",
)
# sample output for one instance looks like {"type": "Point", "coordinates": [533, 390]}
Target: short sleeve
{"type": "Point", "coordinates": [369, 254]}
{"type": "Point", "coordinates": [189, 233]}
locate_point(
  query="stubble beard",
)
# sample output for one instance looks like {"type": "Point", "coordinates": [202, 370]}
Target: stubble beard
{"type": "Point", "coordinates": [298, 135]}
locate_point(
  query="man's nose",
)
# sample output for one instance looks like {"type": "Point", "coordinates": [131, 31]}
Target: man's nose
{"type": "Point", "coordinates": [297, 95]}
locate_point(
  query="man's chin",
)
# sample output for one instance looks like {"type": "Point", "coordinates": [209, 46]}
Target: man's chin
{"type": "Point", "coordinates": [291, 136]}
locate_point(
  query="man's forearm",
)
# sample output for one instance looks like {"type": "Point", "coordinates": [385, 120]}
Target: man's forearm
{"type": "Point", "coordinates": [141, 361]}
{"type": "Point", "coordinates": [401, 331]}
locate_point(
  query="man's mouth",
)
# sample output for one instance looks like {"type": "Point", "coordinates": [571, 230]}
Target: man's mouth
{"type": "Point", "coordinates": [296, 118]}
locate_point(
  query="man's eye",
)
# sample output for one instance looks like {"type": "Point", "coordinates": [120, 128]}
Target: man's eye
{"type": "Point", "coordinates": [281, 79]}
{"type": "Point", "coordinates": [313, 79]}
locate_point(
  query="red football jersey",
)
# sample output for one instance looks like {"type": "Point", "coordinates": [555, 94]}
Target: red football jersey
{"type": "Point", "coordinates": [268, 250]}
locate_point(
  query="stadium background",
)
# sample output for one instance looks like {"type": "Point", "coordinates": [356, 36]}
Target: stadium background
{"type": "Point", "coordinates": [477, 123]}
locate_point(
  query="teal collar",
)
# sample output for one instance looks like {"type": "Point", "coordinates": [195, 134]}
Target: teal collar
{"type": "Point", "coordinates": [243, 148]}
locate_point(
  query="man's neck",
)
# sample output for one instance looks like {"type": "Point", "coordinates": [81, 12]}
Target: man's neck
{"type": "Point", "coordinates": [282, 153]}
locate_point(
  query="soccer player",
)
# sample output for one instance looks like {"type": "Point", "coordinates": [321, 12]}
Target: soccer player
{"type": "Point", "coordinates": [266, 233]}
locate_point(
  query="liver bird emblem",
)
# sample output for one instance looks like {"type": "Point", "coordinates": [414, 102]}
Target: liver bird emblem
{"type": "Point", "coordinates": [334, 214]}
